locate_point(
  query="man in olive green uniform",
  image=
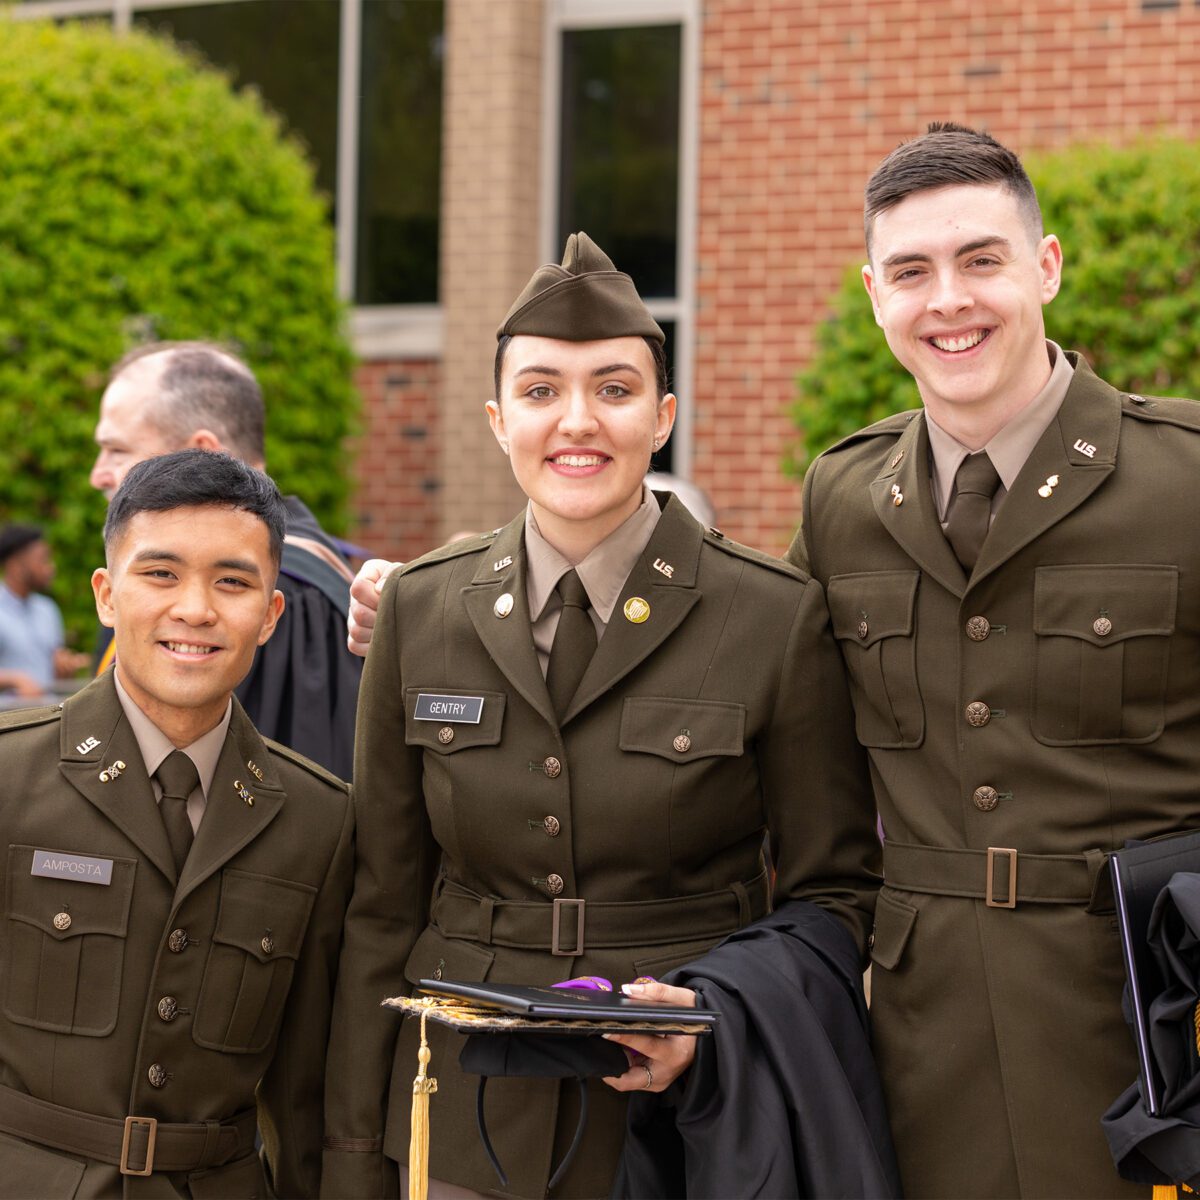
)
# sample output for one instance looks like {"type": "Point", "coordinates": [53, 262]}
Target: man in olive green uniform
{"type": "Point", "coordinates": [504, 836]}
{"type": "Point", "coordinates": [162, 961]}
{"type": "Point", "coordinates": [1014, 582]}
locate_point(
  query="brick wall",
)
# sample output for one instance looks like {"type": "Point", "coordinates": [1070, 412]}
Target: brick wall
{"type": "Point", "coordinates": [799, 101]}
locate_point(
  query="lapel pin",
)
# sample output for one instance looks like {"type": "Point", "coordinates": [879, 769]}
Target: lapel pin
{"type": "Point", "coordinates": [1085, 448]}
{"type": "Point", "coordinates": [1047, 488]}
{"type": "Point", "coordinates": [664, 567]}
{"type": "Point", "coordinates": [506, 561]}
{"type": "Point", "coordinates": [504, 605]}
{"type": "Point", "coordinates": [897, 495]}
{"type": "Point", "coordinates": [636, 610]}
{"type": "Point", "coordinates": [897, 459]}
{"type": "Point", "coordinates": [254, 770]}
{"type": "Point", "coordinates": [243, 792]}
{"type": "Point", "coordinates": [87, 744]}
{"type": "Point", "coordinates": [113, 772]}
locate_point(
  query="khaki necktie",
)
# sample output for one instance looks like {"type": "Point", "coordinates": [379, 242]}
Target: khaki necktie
{"type": "Point", "coordinates": [970, 511]}
{"type": "Point", "coordinates": [178, 778]}
{"type": "Point", "coordinates": [574, 643]}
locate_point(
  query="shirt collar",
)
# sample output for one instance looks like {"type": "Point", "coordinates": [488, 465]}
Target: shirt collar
{"type": "Point", "coordinates": [155, 745]}
{"type": "Point", "coordinates": [1012, 445]}
{"type": "Point", "coordinates": [603, 572]}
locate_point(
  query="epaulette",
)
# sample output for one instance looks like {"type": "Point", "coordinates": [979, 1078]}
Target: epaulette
{"type": "Point", "coordinates": [891, 426]}
{"type": "Point", "coordinates": [714, 537]}
{"type": "Point", "coordinates": [24, 718]}
{"type": "Point", "coordinates": [1168, 410]}
{"type": "Point", "coordinates": [306, 764]}
{"type": "Point", "coordinates": [467, 545]}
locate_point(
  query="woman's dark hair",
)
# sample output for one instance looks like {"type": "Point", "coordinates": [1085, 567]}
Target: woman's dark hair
{"type": "Point", "coordinates": [197, 479]}
{"type": "Point", "coordinates": [661, 381]}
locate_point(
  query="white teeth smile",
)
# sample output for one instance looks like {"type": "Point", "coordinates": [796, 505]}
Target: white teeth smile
{"type": "Point", "coordinates": [188, 648]}
{"type": "Point", "coordinates": [579, 460]}
{"type": "Point", "coordinates": [955, 345]}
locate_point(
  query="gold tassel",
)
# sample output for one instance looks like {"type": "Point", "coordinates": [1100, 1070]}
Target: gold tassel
{"type": "Point", "coordinates": [418, 1142]}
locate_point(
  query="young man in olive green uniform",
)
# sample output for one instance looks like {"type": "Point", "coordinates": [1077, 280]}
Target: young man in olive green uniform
{"type": "Point", "coordinates": [1013, 579]}
{"type": "Point", "coordinates": [174, 886]}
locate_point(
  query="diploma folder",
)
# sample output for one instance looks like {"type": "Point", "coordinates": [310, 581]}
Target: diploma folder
{"type": "Point", "coordinates": [570, 1004]}
{"type": "Point", "coordinates": [1139, 873]}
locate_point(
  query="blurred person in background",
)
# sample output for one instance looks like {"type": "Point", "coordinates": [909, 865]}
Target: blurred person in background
{"type": "Point", "coordinates": [32, 651]}
{"type": "Point", "coordinates": [303, 687]}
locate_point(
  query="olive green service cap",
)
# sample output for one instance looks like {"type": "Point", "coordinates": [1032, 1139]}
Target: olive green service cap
{"type": "Point", "coordinates": [584, 300]}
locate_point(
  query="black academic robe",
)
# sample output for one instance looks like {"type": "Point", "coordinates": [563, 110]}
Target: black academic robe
{"type": "Point", "coordinates": [783, 1099]}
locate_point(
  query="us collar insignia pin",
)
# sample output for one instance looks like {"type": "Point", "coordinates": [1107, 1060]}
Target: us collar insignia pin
{"type": "Point", "coordinates": [253, 768]}
{"type": "Point", "coordinates": [506, 561]}
{"type": "Point", "coordinates": [664, 567]}
{"type": "Point", "coordinates": [1085, 448]}
{"type": "Point", "coordinates": [87, 745]}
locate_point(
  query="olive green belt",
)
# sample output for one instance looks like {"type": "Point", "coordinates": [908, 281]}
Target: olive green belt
{"type": "Point", "coordinates": [569, 927]}
{"type": "Point", "coordinates": [1000, 876]}
{"type": "Point", "coordinates": [137, 1145]}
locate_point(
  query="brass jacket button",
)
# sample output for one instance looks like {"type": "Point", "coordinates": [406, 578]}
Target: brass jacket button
{"type": "Point", "coordinates": [978, 713]}
{"type": "Point", "coordinates": [551, 826]}
{"type": "Point", "coordinates": [682, 743]}
{"type": "Point", "coordinates": [552, 767]}
{"type": "Point", "coordinates": [177, 942]}
{"type": "Point", "coordinates": [445, 735]}
{"type": "Point", "coordinates": [863, 628]}
{"type": "Point", "coordinates": [978, 628]}
{"type": "Point", "coordinates": [157, 1074]}
{"type": "Point", "coordinates": [62, 921]}
{"type": "Point", "coordinates": [268, 944]}
{"type": "Point", "coordinates": [168, 1008]}
{"type": "Point", "coordinates": [986, 798]}
{"type": "Point", "coordinates": [1102, 627]}
{"type": "Point", "coordinates": [554, 883]}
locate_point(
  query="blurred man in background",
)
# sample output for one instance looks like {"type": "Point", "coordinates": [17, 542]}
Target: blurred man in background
{"type": "Point", "coordinates": [32, 650]}
{"type": "Point", "coordinates": [303, 687]}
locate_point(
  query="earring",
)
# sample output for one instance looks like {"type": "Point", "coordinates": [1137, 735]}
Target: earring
{"type": "Point", "coordinates": [504, 447]}
{"type": "Point", "coordinates": [657, 443]}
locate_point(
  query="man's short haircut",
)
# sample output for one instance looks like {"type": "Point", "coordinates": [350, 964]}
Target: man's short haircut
{"type": "Point", "coordinates": [197, 479]}
{"type": "Point", "coordinates": [662, 383]}
{"type": "Point", "coordinates": [16, 537]}
{"type": "Point", "coordinates": [204, 386]}
{"type": "Point", "coordinates": [949, 155]}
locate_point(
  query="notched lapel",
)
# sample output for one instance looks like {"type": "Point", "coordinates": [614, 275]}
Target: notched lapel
{"type": "Point", "coordinates": [230, 823]}
{"type": "Point", "coordinates": [508, 640]}
{"type": "Point", "coordinates": [913, 523]}
{"type": "Point", "coordinates": [94, 715]}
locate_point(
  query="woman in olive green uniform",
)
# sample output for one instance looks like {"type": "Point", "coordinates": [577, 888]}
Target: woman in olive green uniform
{"type": "Point", "coordinates": [573, 734]}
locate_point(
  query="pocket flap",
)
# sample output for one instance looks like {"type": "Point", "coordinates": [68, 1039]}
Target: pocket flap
{"type": "Point", "coordinates": [1104, 605]}
{"type": "Point", "coordinates": [39, 900]}
{"type": "Point", "coordinates": [436, 956]}
{"type": "Point", "coordinates": [682, 730]}
{"type": "Point", "coordinates": [437, 703]}
{"type": "Point", "coordinates": [262, 916]}
{"type": "Point", "coordinates": [894, 921]}
{"type": "Point", "coordinates": [872, 605]}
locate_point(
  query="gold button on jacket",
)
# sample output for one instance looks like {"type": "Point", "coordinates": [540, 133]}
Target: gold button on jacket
{"type": "Point", "coordinates": [735, 651]}
{"type": "Point", "coordinates": [999, 1032]}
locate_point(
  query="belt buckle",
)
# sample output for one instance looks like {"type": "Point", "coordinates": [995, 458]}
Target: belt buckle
{"type": "Point", "coordinates": [151, 1124]}
{"type": "Point", "coordinates": [559, 905]}
{"type": "Point", "coordinates": [1011, 902]}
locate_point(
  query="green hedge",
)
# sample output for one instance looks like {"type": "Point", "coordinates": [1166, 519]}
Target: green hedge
{"type": "Point", "coordinates": [140, 199]}
{"type": "Point", "coordinates": [1129, 222]}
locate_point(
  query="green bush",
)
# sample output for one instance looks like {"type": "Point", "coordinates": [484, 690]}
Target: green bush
{"type": "Point", "coordinates": [140, 199]}
{"type": "Point", "coordinates": [1129, 222]}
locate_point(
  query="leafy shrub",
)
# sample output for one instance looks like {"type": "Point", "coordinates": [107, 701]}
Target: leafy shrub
{"type": "Point", "coordinates": [140, 198]}
{"type": "Point", "coordinates": [1129, 222]}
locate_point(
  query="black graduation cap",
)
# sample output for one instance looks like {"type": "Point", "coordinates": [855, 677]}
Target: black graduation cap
{"type": "Point", "coordinates": [1160, 1143]}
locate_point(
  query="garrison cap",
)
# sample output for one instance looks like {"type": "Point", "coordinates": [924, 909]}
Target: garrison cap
{"type": "Point", "coordinates": [586, 299]}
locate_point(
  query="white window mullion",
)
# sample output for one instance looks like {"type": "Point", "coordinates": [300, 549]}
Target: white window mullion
{"type": "Point", "coordinates": [349, 72]}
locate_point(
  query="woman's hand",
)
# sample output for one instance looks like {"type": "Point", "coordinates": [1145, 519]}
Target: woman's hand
{"type": "Point", "coordinates": [657, 1061]}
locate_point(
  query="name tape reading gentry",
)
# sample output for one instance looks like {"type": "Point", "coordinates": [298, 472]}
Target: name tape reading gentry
{"type": "Point", "coordinates": [465, 710]}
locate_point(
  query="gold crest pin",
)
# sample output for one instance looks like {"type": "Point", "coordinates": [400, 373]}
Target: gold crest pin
{"type": "Point", "coordinates": [504, 605]}
{"type": "Point", "coordinates": [637, 610]}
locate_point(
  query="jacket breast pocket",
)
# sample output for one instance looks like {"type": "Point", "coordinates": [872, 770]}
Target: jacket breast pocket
{"type": "Point", "coordinates": [446, 732]}
{"type": "Point", "coordinates": [260, 929]}
{"type": "Point", "coordinates": [1103, 637]}
{"type": "Point", "coordinates": [65, 946]}
{"type": "Point", "coordinates": [873, 620]}
{"type": "Point", "coordinates": [682, 731]}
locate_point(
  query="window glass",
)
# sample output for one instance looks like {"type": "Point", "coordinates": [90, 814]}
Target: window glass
{"type": "Point", "coordinates": [287, 49]}
{"type": "Point", "coordinates": [400, 127]}
{"type": "Point", "coordinates": [619, 150]}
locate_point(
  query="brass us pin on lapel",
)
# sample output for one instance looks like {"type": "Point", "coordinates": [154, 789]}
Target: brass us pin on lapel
{"type": "Point", "coordinates": [664, 568]}
{"type": "Point", "coordinates": [506, 561]}
{"type": "Point", "coordinates": [253, 769]}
